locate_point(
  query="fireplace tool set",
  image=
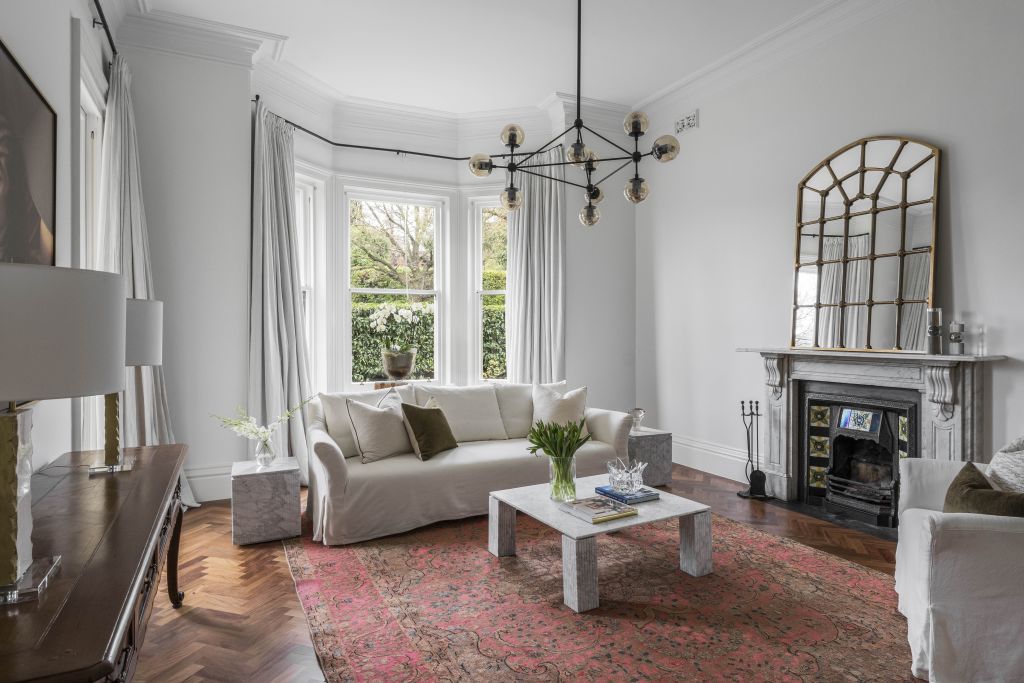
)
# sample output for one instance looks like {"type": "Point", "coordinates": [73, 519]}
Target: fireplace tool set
{"type": "Point", "coordinates": [755, 477]}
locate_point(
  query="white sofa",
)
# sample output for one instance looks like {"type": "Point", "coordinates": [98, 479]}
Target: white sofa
{"type": "Point", "coordinates": [959, 580]}
{"type": "Point", "coordinates": [352, 501]}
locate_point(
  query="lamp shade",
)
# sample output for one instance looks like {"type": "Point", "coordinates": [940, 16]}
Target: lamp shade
{"type": "Point", "coordinates": [144, 332]}
{"type": "Point", "coordinates": [62, 332]}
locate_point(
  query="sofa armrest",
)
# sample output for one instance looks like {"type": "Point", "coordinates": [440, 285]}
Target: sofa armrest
{"type": "Point", "coordinates": [610, 427]}
{"type": "Point", "coordinates": [923, 482]}
{"type": "Point", "coordinates": [328, 474]}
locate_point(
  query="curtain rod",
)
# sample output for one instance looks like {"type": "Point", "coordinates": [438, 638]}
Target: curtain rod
{"type": "Point", "coordinates": [371, 147]}
{"type": "Point", "coordinates": [102, 21]}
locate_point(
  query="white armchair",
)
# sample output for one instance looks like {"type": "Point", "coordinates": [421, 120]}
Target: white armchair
{"type": "Point", "coordinates": [959, 580]}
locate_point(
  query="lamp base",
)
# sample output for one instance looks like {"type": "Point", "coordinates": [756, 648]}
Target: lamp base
{"type": "Point", "coordinates": [32, 583]}
{"type": "Point", "coordinates": [125, 463]}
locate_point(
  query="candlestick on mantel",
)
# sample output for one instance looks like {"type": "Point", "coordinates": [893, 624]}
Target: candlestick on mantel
{"type": "Point", "coordinates": [934, 317]}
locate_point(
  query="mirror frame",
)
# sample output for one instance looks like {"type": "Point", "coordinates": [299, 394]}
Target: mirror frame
{"type": "Point", "coordinates": [845, 216]}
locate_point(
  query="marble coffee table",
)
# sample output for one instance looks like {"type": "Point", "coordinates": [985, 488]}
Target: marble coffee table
{"type": "Point", "coordinates": [579, 538]}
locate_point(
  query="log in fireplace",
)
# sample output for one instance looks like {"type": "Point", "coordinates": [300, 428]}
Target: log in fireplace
{"type": "Point", "coordinates": [850, 457]}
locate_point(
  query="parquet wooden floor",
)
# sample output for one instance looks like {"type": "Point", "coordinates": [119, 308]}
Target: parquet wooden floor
{"type": "Point", "coordinates": [242, 621]}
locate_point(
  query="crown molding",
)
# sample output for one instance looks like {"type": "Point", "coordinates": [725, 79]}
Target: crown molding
{"type": "Point", "coordinates": [801, 34]}
{"type": "Point", "coordinates": [191, 37]}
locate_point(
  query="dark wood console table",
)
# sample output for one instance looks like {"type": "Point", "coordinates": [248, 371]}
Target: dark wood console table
{"type": "Point", "coordinates": [113, 533]}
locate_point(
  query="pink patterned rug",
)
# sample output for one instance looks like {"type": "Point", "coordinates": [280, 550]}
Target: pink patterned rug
{"type": "Point", "coordinates": [434, 605]}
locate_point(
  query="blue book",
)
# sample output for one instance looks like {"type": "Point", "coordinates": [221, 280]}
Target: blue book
{"type": "Point", "coordinates": [642, 496]}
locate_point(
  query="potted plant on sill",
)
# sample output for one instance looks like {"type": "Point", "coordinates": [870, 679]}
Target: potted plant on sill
{"type": "Point", "coordinates": [399, 329]}
{"type": "Point", "coordinates": [559, 442]}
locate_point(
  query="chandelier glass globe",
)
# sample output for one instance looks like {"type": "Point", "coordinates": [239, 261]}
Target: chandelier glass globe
{"type": "Point", "coordinates": [577, 154]}
{"type": "Point", "coordinates": [481, 165]}
{"type": "Point", "coordinates": [513, 134]}
{"type": "Point", "coordinates": [512, 198]}
{"type": "Point", "coordinates": [589, 215]}
{"type": "Point", "coordinates": [635, 124]}
{"type": "Point", "coordinates": [594, 195]}
{"type": "Point", "coordinates": [665, 148]}
{"type": "Point", "coordinates": [636, 190]}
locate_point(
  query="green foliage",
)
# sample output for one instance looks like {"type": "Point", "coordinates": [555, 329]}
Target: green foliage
{"type": "Point", "coordinates": [557, 440]}
{"type": "Point", "coordinates": [366, 345]}
{"type": "Point", "coordinates": [392, 245]}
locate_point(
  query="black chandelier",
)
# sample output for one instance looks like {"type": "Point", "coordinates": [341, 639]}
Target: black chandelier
{"type": "Point", "coordinates": [577, 154]}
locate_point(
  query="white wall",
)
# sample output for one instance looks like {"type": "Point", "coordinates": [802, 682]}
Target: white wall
{"type": "Point", "coordinates": [193, 119]}
{"type": "Point", "coordinates": [40, 36]}
{"type": "Point", "coordinates": [715, 239]}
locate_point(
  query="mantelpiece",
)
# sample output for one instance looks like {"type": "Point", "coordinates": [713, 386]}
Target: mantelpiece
{"type": "Point", "coordinates": [950, 390]}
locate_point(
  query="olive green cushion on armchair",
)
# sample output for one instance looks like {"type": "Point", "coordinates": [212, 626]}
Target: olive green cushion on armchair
{"type": "Point", "coordinates": [428, 429]}
{"type": "Point", "coordinates": [970, 491]}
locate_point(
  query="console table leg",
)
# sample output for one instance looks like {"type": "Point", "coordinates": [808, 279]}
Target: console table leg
{"type": "Point", "coordinates": [501, 528]}
{"type": "Point", "coordinates": [579, 573]}
{"type": "Point", "coordinates": [173, 593]}
{"type": "Point", "coordinates": [695, 544]}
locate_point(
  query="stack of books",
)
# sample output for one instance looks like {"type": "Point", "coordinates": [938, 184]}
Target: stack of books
{"type": "Point", "coordinates": [597, 509]}
{"type": "Point", "coordinates": [642, 496]}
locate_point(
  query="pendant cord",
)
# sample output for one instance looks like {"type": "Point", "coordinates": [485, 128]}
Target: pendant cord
{"type": "Point", "coordinates": [579, 56]}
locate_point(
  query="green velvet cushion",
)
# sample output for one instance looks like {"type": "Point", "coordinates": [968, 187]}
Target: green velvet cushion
{"type": "Point", "coordinates": [971, 492]}
{"type": "Point", "coordinates": [428, 429]}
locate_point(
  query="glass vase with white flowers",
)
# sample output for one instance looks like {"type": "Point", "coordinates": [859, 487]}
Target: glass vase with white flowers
{"type": "Point", "coordinates": [399, 329]}
{"type": "Point", "coordinates": [245, 426]}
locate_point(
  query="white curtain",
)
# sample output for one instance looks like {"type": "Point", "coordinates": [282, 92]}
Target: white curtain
{"type": "Point", "coordinates": [125, 248]}
{"type": "Point", "coordinates": [535, 322]}
{"type": "Point", "coordinates": [278, 366]}
{"type": "Point", "coordinates": [858, 289]}
{"type": "Point", "coordinates": [913, 330]}
{"type": "Point", "coordinates": [857, 283]}
{"type": "Point", "coordinates": [831, 283]}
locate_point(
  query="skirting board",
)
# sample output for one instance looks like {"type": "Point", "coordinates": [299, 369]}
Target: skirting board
{"type": "Point", "coordinates": [710, 457]}
{"type": "Point", "coordinates": [210, 483]}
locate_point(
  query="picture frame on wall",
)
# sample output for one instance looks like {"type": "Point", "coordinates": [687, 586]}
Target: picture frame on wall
{"type": "Point", "coordinates": [28, 168]}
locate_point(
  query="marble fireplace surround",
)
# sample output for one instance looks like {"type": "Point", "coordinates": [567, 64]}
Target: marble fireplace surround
{"type": "Point", "coordinates": [950, 408]}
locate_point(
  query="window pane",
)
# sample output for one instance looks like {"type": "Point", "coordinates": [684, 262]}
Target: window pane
{"type": "Point", "coordinates": [492, 316]}
{"type": "Point", "coordinates": [392, 245]}
{"type": "Point", "coordinates": [494, 227]}
{"type": "Point", "coordinates": [404, 322]}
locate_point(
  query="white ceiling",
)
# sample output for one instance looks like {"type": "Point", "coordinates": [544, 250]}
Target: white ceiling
{"type": "Point", "coordinates": [464, 56]}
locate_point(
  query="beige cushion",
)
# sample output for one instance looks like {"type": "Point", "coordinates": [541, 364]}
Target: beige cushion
{"type": "Point", "coordinates": [550, 405]}
{"type": "Point", "coordinates": [472, 412]}
{"type": "Point", "coordinates": [379, 432]}
{"type": "Point", "coordinates": [336, 414]}
{"type": "Point", "coordinates": [1006, 471]}
{"type": "Point", "coordinates": [515, 402]}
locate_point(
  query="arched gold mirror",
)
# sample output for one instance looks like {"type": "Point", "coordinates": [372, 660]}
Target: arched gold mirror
{"type": "Point", "coordinates": [865, 247]}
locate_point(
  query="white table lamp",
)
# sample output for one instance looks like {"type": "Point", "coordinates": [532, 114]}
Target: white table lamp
{"type": "Point", "coordinates": [144, 343]}
{"type": "Point", "coordinates": [62, 335]}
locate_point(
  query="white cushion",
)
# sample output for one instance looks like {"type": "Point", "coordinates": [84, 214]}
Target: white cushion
{"type": "Point", "coordinates": [515, 401]}
{"type": "Point", "coordinates": [550, 405]}
{"type": "Point", "coordinates": [379, 432]}
{"type": "Point", "coordinates": [1006, 471]}
{"type": "Point", "coordinates": [336, 414]}
{"type": "Point", "coordinates": [472, 412]}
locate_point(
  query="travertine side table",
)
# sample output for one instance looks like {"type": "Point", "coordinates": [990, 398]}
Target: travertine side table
{"type": "Point", "coordinates": [265, 503]}
{"type": "Point", "coordinates": [654, 447]}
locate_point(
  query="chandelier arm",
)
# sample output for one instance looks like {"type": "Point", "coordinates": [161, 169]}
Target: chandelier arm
{"type": "Point", "coordinates": [572, 163]}
{"type": "Point", "coordinates": [613, 173]}
{"type": "Point", "coordinates": [617, 146]}
{"type": "Point", "coordinates": [557, 180]}
{"type": "Point", "coordinates": [546, 145]}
